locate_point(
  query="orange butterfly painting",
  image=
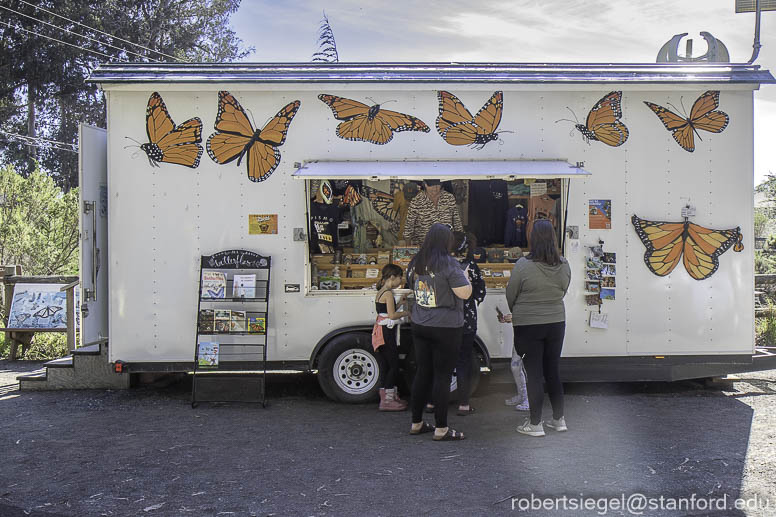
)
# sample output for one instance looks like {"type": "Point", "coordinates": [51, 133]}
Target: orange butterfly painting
{"type": "Point", "coordinates": [235, 137]}
{"type": "Point", "coordinates": [703, 115]}
{"type": "Point", "coordinates": [167, 142]}
{"type": "Point", "coordinates": [363, 123]}
{"type": "Point", "coordinates": [457, 126]}
{"type": "Point", "coordinates": [697, 247]}
{"type": "Point", "coordinates": [603, 123]}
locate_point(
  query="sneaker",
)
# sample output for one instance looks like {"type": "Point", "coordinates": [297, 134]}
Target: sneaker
{"type": "Point", "coordinates": [531, 430]}
{"type": "Point", "coordinates": [522, 407]}
{"type": "Point", "coordinates": [513, 401]}
{"type": "Point", "coordinates": [558, 425]}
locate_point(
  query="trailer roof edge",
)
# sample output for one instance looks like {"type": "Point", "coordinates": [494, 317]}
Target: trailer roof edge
{"type": "Point", "coordinates": [608, 73]}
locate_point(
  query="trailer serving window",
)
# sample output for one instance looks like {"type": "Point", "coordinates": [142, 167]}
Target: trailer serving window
{"type": "Point", "coordinates": [361, 216]}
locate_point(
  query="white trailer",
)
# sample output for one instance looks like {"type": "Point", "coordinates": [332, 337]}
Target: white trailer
{"type": "Point", "coordinates": [160, 220]}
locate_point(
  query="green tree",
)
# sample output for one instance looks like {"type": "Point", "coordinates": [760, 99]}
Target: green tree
{"type": "Point", "coordinates": [38, 224]}
{"type": "Point", "coordinates": [42, 88]}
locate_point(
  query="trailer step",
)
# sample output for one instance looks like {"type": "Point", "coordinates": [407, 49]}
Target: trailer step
{"type": "Point", "coordinates": [32, 377]}
{"type": "Point", "coordinates": [62, 362]}
{"type": "Point", "coordinates": [87, 350]}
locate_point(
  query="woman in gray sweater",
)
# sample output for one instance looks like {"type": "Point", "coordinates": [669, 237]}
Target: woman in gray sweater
{"type": "Point", "coordinates": [535, 295]}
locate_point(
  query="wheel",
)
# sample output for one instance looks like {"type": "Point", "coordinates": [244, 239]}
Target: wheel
{"type": "Point", "coordinates": [348, 370]}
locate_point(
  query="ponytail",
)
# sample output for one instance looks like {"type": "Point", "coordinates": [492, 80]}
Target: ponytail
{"type": "Point", "coordinates": [389, 270]}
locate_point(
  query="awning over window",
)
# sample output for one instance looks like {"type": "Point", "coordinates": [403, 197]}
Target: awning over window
{"type": "Point", "coordinates": [443, 170]}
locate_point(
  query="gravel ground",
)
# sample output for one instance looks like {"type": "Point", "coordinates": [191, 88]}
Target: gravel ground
{"type": "Point", "coordinates": [146, 452]}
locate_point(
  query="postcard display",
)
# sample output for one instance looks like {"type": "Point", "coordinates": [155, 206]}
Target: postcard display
{"type": "Point", "coordinates": [231, 336]}
{"type": "Point", "coordinates": [600, 282]}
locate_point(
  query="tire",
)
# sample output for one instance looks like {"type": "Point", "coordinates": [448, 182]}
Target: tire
{"type": "Point", "coordinates": [348, 370]}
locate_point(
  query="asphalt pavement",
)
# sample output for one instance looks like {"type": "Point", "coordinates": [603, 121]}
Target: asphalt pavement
{"type": "Point", "coordinates": [662, 448]}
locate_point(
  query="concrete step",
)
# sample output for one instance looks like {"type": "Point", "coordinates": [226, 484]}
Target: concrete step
{"type": "Point", "coordinates": [87, 350]}
{"type": "Point", "coordinates": [62, 362]}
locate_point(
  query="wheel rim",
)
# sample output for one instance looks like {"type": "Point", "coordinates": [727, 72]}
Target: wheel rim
{"type": "Point", "coordinates": [356, 371]}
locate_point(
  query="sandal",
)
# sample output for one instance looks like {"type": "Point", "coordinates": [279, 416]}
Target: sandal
{"type": "Point", "coordinates": [428, 409]}
{"type": "Point", "coordinates": [450, 436]}
{"type": "Point", "coordinates": [464, 412]}
{"type": "Point", "coordinates": [425, 428]}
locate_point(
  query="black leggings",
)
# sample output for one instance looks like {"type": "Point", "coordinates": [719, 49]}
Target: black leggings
{"type": "Point", "coordinates": [436, 351]}
{"type": "Point", "coordinates": [389, 355]}
{"type": "Point", "coordinates": [541, 346]}
{"type": "Point", "coordinates": [463, 369]}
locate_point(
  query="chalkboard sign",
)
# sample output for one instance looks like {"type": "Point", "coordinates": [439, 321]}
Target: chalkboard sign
{"type": "Point", "coordinates": [235, 259]}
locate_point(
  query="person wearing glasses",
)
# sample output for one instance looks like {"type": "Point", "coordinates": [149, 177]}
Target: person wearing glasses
{"type": "Point", "coordinates": [433, 205]}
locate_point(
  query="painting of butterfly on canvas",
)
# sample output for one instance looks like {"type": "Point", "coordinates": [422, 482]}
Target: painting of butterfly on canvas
{"type": "Point", "coordinates": [39, 306]}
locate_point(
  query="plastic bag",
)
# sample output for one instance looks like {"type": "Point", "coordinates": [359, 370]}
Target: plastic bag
{"type": "Point", "coordinates": [518, 372]}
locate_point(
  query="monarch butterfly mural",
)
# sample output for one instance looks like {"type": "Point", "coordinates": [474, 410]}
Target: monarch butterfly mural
{"type": "Point", "coordinates": [457, 126]}
{"type": "Point", "coordinates": [167, 142]}
{"type": "Point", "coordinates": [703, 115]}
{"type": "Point", "coordinates": [235, 137]}
{"type": "Point", "coordinates": [697, 247]}
{"type": "Point", "coordinates": [603, 123]}
{"type": "Point", "coordinates": [363, 123]}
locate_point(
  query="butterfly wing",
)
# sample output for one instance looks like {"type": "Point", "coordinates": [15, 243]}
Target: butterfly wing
{"type": "Point", "coordinates": [158, 120]}
{"type": "Point", "coordinates": [263, 159]}
{"type": "Point", "coordinates": [276, 129]}
{"type": "Point", "coordinates": [344, 109]}
{"type": "Point", "coordinates": [233, 130]}
{"type": "Point", "coordinates": [703, 114]}
{"type": "Point", "coordinates": [463, 133]}
{"type": "Point", "coordinates": [603, 122]}
{"type": "Point", "coordinates": [489, 116]}
{"type": "Point", "coordinates": [400, 121]}
{"type": "Point", "coordinates": [703, 246]}
{"type": "Point", "coordinates": [679, 126]}
{"type": "Point", "coordinates": [451, 112]}
{"type": "Point", "coordinates": [663, 242]}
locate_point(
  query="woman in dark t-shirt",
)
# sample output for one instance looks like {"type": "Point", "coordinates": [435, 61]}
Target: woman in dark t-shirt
{"type": "Point", "coordinates": [440, 287]}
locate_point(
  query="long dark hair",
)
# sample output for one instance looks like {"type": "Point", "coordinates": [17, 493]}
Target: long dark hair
{"type": "Point", "coordinates": [544, 247]}
{"type": "Point", "coordinates": [389, 270]}
{"type": "Point", "coordinates": [435, 250]}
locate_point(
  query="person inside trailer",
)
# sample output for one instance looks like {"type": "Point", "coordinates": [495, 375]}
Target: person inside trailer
{"type": "Point", "coordinates": [433, 205]}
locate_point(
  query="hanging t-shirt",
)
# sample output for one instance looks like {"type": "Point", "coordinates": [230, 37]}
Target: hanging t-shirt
{"type": "Point", "coordinates": [515, 226]}
{"type": "Point", "coordinates": [540, 207]}
{"type": "Point", "coordinates": [435, 303]}
{"type": "Point", "coordinates": [324, 220]}
{"type": "Point", "coordinates": [488, 204]}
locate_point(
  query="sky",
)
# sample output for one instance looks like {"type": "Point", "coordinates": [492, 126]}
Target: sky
{"type": "Point", "coordinates": [518, 31]}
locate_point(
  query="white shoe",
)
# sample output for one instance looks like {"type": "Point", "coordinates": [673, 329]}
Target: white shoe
{"type": "Point", "coordinates": [522, 407]}
{"type": "Point", "coordinates": [513, 401]}
{"type": "Point", "coordinates": [558, 425]}
{"type": "Point", "coordinates": [531, 430]}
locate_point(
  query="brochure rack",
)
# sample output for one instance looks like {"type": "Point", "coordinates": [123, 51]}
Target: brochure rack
{"type": "Point", "coordinates": [232, 322]}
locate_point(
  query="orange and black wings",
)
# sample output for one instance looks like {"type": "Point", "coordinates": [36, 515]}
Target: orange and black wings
{"type": "Point", "coordinates": [235, 137]}
{"type": "Point", "coordinates": [363, 123]}
{"type": "Point", "coordinates": [703, 115]}
{"type": "Point", "coordinates": [457, 126]}
{"type": "Point", "coordinates": [603, 123]}
{"type": "Point", "coordinates": [167, 142]}
{"type": "Point", "coordinates": [697, 247]}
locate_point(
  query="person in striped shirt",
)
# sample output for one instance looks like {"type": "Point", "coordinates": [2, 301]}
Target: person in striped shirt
{"type": "Point", "coordinates": [433, 205]}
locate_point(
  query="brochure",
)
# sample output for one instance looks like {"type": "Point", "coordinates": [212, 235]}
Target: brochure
{"type": "Point", "coordinates": [206, 320]}
{"type": "Point", "coordinates": [213, 284]}
{"type": "Point", "coordinates": [244, 286]}
{"type": "Point", "coordinates": [607, 294]}
{"type": "Point", "coordinates": [223, 320]}
{"type": "Point", "coordinates": [238, 321]}
{"type": "Point", "coordinates": [257, 325]}
{"type": "Point", "coordinates": [207, 354]}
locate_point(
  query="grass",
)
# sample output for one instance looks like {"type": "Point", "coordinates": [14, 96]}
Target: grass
{"type": "Point", "coordinates": [44, 346]}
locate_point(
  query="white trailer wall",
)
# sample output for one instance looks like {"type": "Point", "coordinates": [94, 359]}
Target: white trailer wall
{"type": "Point", "coordinates": [162, 219]}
